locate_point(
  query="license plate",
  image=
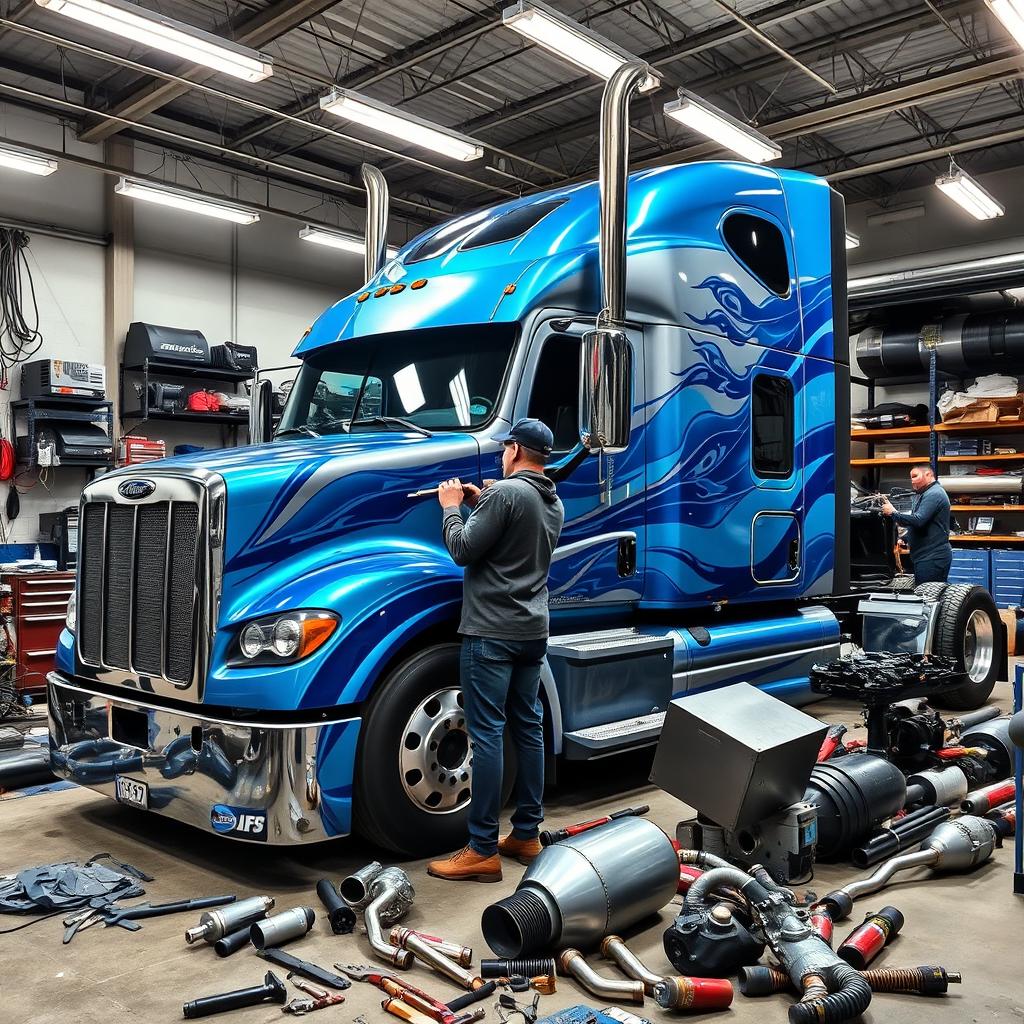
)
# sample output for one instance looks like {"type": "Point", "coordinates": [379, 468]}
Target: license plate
{"type": "Point", "coordinates": [131, 792]}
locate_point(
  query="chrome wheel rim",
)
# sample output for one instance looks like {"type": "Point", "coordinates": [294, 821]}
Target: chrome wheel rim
{"type": "Point", "coordinates": [979, 646]}
{"type": "Point", "coordinates": [435, 759]}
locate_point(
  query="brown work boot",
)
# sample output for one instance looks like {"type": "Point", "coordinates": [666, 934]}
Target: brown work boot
{"type": "Point", "coordinates": [467, 866]}
{"type": "Point", "coordinates": [524, 850]}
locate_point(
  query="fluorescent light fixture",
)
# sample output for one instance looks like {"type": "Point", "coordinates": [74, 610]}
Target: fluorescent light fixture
{"type": "Point", "coordinates": [1011, 14]}
{"type": "Point", "coordinates": [719, 127]}
{"type": "Point", "coordinates": [382, 118]}
{"type": "Point", "coordinates": [968, 272]}
{"type": "Point", "coordinates": [570, 40]}
{"type": "Point", "coordinates": [896, 214]}
{"type": "Point", "coordinates": [154, 30]}
{"type": "Point", "coordinates": [19, 159]}
{"type": "Point", "coordinates": [180, 199]}
{"type": "Point", "coordinates": [964, 190]}
{"type": "Point", "coordinates": [852, 240]}
{"type": "Point", "coordinates": [339, 240]}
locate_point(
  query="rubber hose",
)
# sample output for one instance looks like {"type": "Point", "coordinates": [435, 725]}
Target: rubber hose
{"type": "Point", "coordinates": [716, 878]}
{"type": "Point", "coordinates": [703, 859]}
{"type": "Point", "coordinates": [524, 967]}
{"type": "Point", "coordinates": [850, 997]}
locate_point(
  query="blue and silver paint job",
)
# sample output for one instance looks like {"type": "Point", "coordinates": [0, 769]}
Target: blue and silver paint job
{"type": "Point", "coordinates": [328, 522]}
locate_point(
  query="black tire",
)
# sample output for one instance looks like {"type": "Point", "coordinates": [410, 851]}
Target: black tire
{"type": "Point", "coordinates": [384, 813]}
{"type": "Point", "coordinates": [968, 630]}
{"type": "Point", "coordinates": [932, 591]}
{"type": "Point", "coordinates": [902, 584]}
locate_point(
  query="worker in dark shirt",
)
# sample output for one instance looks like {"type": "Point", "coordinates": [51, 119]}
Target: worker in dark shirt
{"type": "Point", "coordinates": [505, 546]}
{"type": "Point", "coordinates": [927, 525]}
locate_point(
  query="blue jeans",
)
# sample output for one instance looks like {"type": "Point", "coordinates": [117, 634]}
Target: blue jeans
{"type": "Point", "coordinates": [932, 570]}
{"type": "Point", "coordinates": [501, 683]}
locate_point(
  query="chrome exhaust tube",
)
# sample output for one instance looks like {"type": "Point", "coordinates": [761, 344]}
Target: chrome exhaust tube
{"type": "Point", "coordinates": [461, 955]}
{"type": "Point", "coordinates": [613, 184]}
{"type": "Point", "coordinates": [377, 200]}
{"type": "Point", "coordinates": [355, 889]}
{"type": "Point", "coordinates": [413, 943]}
{"type": "Point", "coordinates": [391, 894]}
{"type": "Point", "coordinates": [571, 961]}
{"type": "Point", "coordinates": [615, 949]}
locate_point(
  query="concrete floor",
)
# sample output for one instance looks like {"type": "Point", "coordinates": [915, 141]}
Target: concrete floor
{"type": "Point", "coordinates": [971, 923]}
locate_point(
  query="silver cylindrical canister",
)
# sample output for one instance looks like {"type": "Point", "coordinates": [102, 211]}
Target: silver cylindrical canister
{"type": "Point", "coordinates": [282, 928]}
{"type": "Point", "coordinates": [215, 924]}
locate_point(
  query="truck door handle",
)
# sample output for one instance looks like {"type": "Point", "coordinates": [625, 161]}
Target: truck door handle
{"type": "Point", "coordinates": [626, 562]}
{"type": "Point", "coordinates": [794, 554]}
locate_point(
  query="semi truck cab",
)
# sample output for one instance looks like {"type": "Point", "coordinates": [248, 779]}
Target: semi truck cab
{"type": "Point", "coordinates": [264, 640]}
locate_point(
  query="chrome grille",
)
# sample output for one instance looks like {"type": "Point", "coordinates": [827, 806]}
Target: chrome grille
{"type": "Point", "coordinates": [140, 582]}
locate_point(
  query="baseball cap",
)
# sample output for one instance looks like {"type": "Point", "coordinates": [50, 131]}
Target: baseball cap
{"type": "Point", "coordinates": [530, 434]}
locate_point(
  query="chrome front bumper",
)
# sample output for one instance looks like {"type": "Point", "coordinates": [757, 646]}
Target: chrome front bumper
{"type": "Point", "coordinates": [245, 780]}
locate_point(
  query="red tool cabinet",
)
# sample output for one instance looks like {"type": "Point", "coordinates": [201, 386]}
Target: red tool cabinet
{"type": "Point", "coordinates": [40, 606]}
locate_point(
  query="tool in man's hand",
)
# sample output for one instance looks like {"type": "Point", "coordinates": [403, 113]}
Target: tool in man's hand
{"type": "Point", "coordinates": [318, 997]}
{"type": "Point", "coordinates": [549, 837]}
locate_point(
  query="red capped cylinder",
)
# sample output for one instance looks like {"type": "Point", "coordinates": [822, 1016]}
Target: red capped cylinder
{"type": "Point", "coordinates": [821, 923]}
{"type": "Point", "coordinates": [694, 994]}
{"type": "Point", "coordinates": [865, 942]}
{"type": "Point", "coordinates": [983, 800]}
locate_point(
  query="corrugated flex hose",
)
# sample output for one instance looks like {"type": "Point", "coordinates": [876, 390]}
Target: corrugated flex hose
{"type": "Point", "coordinates": [849, 997]}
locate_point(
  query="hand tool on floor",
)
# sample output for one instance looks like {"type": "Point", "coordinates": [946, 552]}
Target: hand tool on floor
{"type": "Point", "coordinates": [303, 967]}
{"type": "Point", "coordinates": [399, 989]}
{"type": "Point", "coordinates": [319, 998]}
{"type": "Point", "coordinates": [547, 838]}
{"type": "Point", "coordinates": [272, 990]}
{"type": "Point", "coordinates": [128, 917]}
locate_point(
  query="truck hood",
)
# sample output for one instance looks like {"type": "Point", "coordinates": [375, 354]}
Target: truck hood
{"type": "Point", "coordinates": [296, 506]}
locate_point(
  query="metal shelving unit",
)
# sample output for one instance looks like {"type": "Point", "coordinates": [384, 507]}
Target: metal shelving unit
{"type": "Point", "coordinates": [66, 409]}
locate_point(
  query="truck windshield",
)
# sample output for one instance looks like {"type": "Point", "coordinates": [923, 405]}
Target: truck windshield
{"type": "Point", "coordinates": [433, 379]}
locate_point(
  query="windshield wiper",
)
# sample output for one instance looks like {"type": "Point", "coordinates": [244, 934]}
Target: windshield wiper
{"type": "Point", "coordinates": [300, 429]}
{"type": "Point", "coordinates": [388, 421]}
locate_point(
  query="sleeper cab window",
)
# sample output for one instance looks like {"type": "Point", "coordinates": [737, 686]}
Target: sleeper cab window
{"type": "Point", "coordinates": [772, 426]}
{"type": "Point", "coordinates": [760, 246]}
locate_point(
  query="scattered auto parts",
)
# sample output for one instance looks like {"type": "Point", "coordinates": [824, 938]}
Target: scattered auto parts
{"type": "Point", "coordinates": [527, 967]}
{"type": "Point", "coordinates": [271, 991]}
{"type": "Point", "coordinates": [898, 835]}
{"type": "Point", "coordinates": [869, 938]}
{"type": "Point", "coordinates": [571, 961]}
{"type": "Point", "coordinates": [318, 998]}
{"type": "Point", "coordinates": [341, 916]}
{"type": "Point", "coordinates": [548, 837]}
{"type": "Point", "coordinates": [981, 801]}
{"type": "Point", "coordinates": [232, 943]}
{"type": "Point", "coordinates": [461, 955]}
{"type": "Point", "coordinates": [942, 787]}
{"type": "Point", "coordinates": [215, 924]}
{"type": "Point", "coordinates": [694, 994]}
{"type": "Point", "coordinates": [282, 928]}
{"type": "Point", "coordinates": [577, 891]}
{"type": "Point", "coordinates": [925, 981]}
{"type": "Point", "coordinates": [427, 954]}
{"type": "Point", "coordinates": [615, 949]}
{"type": "Point", "coordinates": [956, 845]}
{"type": "Point", "coordinates": [294, 965]}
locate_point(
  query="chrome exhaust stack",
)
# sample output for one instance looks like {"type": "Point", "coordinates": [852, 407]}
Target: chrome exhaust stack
{"type": "Point", "coordinates": [391, 895]}
{"type": "Point", "coordinates": [376, 241]}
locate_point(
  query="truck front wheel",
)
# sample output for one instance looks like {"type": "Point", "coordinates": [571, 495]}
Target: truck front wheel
{"type": "Point", "coordinates": [415, 765]}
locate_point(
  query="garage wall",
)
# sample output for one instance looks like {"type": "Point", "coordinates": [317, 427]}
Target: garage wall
{"type": "Point", "coordinates": [264, 289]}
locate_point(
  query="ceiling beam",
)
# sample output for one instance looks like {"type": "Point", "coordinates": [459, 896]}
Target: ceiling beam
{"type": "Point", "coordinates": [256, 30]}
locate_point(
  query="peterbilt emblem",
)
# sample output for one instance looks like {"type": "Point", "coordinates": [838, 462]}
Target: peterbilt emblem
{"type": "Point", "coordinates": [133, 490]}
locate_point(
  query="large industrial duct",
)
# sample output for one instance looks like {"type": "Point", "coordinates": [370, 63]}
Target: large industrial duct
{"type": "Point", "coordinates": [966, 344]}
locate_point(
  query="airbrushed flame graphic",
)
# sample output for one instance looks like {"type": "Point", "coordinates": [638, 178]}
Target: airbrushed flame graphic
{"type": "Point", "coordinates": [739, 318]}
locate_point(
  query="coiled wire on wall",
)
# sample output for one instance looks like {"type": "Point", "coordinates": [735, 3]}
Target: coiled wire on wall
{"type": "Point", "coordinates": [20, 337]}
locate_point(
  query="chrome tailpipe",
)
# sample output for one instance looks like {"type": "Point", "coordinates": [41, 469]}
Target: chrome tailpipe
{"type": "Point", "coordinates": [355, 889]}
{"type": "Point", "coordinates": [615, 990]}
{"type": "Point", "coordinates": [391, 895]}
{"type": "Point", "coordinates": [375, 250]}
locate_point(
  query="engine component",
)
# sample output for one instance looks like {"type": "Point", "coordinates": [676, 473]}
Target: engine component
{"type": "Point", "coordinates": [993, 736]}
{"type": "Point", "coordinates": [821, 923]}
{"type": "Point", "coordinates": [981, 801]}
{"type": "Point", "coordinates": [462, 955]}
{"type": "Point", "coordinates": [428, 954]}
{"type": "Point", "coordinates": [852, 795]}
{"type": "Point", "coordinates": [956, 845]}
{"type": "Point", "coordinates": [832, 742]}
{"type": "Point", "coordinates": [233, 942]}
{"type": "Point", "coordinates": [868, 939]}
{"type": "Point", "coordinates": [577, 891]}
{"type": "Point", "coordinates": [215, 924]}
{"type": "Point", "coordinates": [271, 991]}
{"type": "Point", "coordinates": [1004, 819]}
{"type": "Point", "coordinates": [709, 940]}
{"type": "Point", "coordinates": [571, 961]}
{"type": "Point", "coordinates": [615, 949]}
{"type": "Point", "coordinates": [282, 928]}
{"type": "Point", "coordinates": [899, 835]}
{"type": "Point", "coordinates": [525, 966]}
{"type": "Point", "coordinates": [341, 916]}
{"type": "Point", "coordinates": [956, 726]}
{"type": "Point", "coordinates": [355, 889]}
{"type": "Point", "coordinates": [945, 787]}
{"type": "Point", "coordinates": [390, 895]}
{"type": "Point", "coordinates": [925, 981]}
{"type": "Point", "coordinates": [694, 994]}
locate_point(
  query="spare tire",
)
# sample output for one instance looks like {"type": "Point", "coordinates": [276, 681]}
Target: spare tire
{"type": "Point", "coordinates": [968, 630]}
{"type": "Point", "coordinates": [931, 591]}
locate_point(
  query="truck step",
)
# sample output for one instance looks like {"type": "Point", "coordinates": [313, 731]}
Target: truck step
{"type": "Point", "coordinates": [613, 737]}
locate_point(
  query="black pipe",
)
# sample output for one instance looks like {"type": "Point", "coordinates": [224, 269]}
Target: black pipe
{"type": "Point", "coordinates": [891, 841]}
{"type": "Point", "coordinates": [849, 997]}
{"type": "Point", "coordinates": [232, 942]}
{"type": "Point", "coordinates": [460, 1002]}
{"type": "Point", "coordinates": [339, 913]}
{"type": "Point", "coordinates": [524, 966]}
{"type": "Point", "coordinates": [272, 990]}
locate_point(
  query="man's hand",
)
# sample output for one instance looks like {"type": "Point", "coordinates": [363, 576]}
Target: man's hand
{"type": "Point", "coordinates": [470, 495]}
{"type": "Point", "coordinates": [450, 492]}
{"type": "Point", "coordinates": [887, 509]}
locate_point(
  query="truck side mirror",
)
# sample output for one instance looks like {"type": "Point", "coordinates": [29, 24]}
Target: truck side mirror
{"type": "Point", "coordinates": [260, 408]}
{"type": "Point", "coordinates": [606, 365]}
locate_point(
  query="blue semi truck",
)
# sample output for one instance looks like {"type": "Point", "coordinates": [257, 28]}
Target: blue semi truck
{"type": "Point", "coordinates": [264, 642]}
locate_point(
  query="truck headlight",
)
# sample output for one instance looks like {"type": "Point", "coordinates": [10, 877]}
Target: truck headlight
{"type": "Point", "coordinates": [280, 639]}
{"type": "Point", "coordinates": [72, 616]}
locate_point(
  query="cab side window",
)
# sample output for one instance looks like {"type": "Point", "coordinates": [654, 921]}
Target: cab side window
{"type": "Point", "coordinates": [772, 426]}
{"type": "Point", "coordinates": [760, 246]}
{"type": "Point", "coordinates": [554, 399]}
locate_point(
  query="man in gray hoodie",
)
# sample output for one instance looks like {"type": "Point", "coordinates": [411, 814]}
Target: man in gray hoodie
{"type": "Point", "coordinates": [505, 546]}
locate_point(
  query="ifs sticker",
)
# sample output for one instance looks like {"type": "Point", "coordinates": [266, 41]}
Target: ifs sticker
{"type": "Point", "coordinates": [243, 822]}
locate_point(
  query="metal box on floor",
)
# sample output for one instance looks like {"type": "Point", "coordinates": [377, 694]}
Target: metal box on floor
{"type": "Point", "coordinates": [736, 754]}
